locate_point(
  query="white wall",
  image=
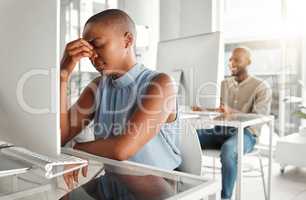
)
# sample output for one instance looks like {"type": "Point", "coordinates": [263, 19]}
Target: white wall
{"type": "Point", "coordinates": [304, 76]}
{"type": "Point", "coordinates": [169, 19]}
{"type": "Point", "coordinates": [145, 12]}
{"type": "Point", "coordinates": [180, 18]}
{"type": "Point", "coordinates": [246, 20]}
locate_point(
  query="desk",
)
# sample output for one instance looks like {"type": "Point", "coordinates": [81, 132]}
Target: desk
{"type": "Point", "coordinates": [239, 121]}
{"type": "Point", "coordinates": [293, 144]}
{"type": "Point", "coordinates": [184, 186]}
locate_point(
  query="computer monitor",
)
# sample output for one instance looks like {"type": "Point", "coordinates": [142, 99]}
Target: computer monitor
{"type": "Point", "coordinates": [199, 59]}
{"type": "Point", "coordinates": [29, 92]}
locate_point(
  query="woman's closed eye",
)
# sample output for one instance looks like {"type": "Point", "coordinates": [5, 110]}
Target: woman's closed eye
{"type": "Point", "coordinates": [98, 46]}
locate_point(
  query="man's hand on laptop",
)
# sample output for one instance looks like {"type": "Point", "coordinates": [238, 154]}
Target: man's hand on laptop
{"type": "Point", "coordinates": [227, 110]}
{"type": "Point", "coordinates": [199, 109]}
{"type": "Point", "coordinates": [196, 108]}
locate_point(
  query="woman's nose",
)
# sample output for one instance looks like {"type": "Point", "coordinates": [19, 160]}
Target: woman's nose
{"type": "Point", "coordinates": [230, 64]}
{"type": "Point", "coordinates": [95, 55]}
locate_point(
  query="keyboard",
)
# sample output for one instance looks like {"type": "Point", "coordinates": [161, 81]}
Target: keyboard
{"type": "Point", "coordinates": [4, 144]}
{"type": "Point", "coordinates": [10, 166]}
{"type": "Point", "coordinates": [52, 166]}
{"type": "Point", "coordinates": [62, 159]}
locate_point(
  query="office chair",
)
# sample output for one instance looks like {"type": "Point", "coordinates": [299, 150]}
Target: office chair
{"type": "Point", "coordinates": [215, 154]}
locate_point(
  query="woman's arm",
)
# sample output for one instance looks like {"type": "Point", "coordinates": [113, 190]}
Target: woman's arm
{"type": "Point", "coordinates": [80, 114]}
{"type": "Point", "coordinates": [156, 107]}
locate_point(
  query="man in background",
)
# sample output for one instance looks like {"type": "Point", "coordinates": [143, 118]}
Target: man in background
{"type": "Point", "coordinates": [241, 93]}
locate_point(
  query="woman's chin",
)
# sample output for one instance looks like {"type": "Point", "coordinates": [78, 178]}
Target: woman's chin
{"type": "Point", "coordinates": [107, 72]}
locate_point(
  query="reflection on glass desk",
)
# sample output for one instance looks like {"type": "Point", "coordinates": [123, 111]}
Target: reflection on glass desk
{"type": "Point", "coordinates": [128, 184]}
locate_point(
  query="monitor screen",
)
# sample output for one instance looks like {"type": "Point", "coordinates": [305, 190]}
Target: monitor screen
{"type": "Point", "coordinates": [29, 89]}
{"type": "Point", "coordinates": [199, 59]}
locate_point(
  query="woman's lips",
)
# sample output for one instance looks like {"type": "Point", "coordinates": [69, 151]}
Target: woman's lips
{"type": "Point", "coordinates": [100, 67]}
{"type": "Point", "coordinates": [98, 64]}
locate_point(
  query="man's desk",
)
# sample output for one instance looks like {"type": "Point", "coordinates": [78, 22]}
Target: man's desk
{"type": "Point", "coordinates": [239, 121]}
{"type": "Point", "coordinates": [110, 179]}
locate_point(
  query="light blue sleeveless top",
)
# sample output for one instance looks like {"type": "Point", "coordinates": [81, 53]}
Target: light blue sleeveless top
{"type": "Point", "coordinates": [117, 100]}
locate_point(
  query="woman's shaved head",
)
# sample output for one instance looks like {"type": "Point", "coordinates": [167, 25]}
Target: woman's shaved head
{"type": "Point", "coordinates": [117, 19]}
{"type": "Point", "coordinates": [112, 35]}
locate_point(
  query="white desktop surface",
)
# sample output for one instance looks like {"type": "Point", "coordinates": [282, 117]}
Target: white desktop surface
{"type": "Point", "coordinates": [294, 144]}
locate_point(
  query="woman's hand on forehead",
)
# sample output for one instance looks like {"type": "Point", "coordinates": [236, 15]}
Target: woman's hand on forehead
{"type": "Point", "coordinates": [75, 51]}
{"type": "Point", "coordinates": [78, 43]}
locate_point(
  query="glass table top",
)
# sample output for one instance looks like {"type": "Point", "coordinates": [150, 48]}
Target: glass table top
{"type": "Point", "coordinates": [121, 183]}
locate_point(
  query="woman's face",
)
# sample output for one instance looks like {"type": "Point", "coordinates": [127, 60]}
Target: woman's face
{"type": "Point", "coordinates": [109, 47]}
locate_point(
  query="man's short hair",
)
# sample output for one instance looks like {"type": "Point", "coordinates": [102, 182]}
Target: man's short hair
{"type": "Point", "coordinates": [247, 50]}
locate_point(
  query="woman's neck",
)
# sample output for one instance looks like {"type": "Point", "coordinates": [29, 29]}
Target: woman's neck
{"type": "Point", "coordinates": [125, 67]}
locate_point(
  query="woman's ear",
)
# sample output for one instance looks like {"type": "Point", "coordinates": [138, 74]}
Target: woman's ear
{"type": "Point", "coordinates": [250, 61]}
{"type": "Point", "coordinates": [129, 39]}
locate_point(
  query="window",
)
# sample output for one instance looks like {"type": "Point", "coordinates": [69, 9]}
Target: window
{"type": "Point", "coordinates": [74, 14]}
{"type": "Point", "coordinates": [274, 32]}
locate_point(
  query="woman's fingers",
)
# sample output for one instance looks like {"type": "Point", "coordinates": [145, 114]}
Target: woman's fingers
{"type": "Point", "coordinates": [74, 51]}
{"type": "Point", "coordinates": [77, 50]}
{"type": "Point", "coordinates": [68, 178]}
{"type": "Point", "coordinates": [87, 44]}
{"type": "Point", "coordinates": [72, 178]}
{"type": "Point", "coordinates": [77, 43]}
{"type": "Point", "coordinates": [83, 54]}
{"type": "Point", "coordinates": [76, 176]}
{"type": "Point", "coordinates": [85, 171]}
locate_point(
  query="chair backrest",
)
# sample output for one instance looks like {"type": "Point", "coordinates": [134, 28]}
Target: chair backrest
{"type": "Point", "coordinates": [190, 149]}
